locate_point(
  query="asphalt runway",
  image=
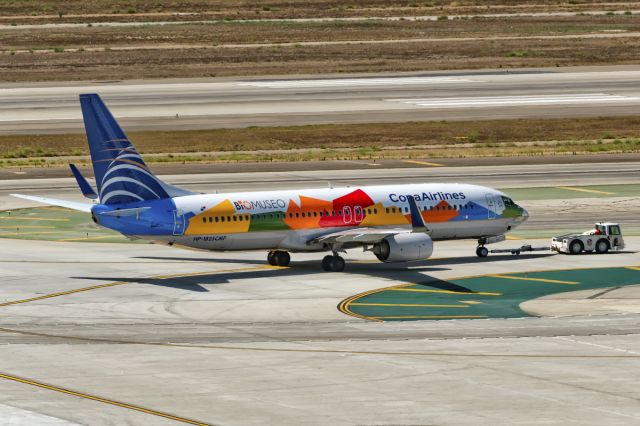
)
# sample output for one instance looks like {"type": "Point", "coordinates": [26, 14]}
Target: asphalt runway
{"type": "Point", "coordinates": [144, 334]}
{"type": "Point", "coordinates": [242, 102]}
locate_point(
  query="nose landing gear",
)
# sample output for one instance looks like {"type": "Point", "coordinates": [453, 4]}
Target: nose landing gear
{"type": "Point", "coordinates": [482, 251]}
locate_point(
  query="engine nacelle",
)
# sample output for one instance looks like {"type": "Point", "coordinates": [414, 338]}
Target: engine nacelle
{"type": "Point", "coordinates": [404, 248]}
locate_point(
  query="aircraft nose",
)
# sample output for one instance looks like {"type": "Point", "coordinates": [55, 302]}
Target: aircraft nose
{"type": "Point", "coordinates": [525, 213]}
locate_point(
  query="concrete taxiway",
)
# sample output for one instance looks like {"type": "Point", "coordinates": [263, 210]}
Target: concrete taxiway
{"type": "Point", "coordinates": [102, 333]}
{"type": "Point", "coordinates": [213, 103]}
{"type": "Point", "coordinates": [144, 334]}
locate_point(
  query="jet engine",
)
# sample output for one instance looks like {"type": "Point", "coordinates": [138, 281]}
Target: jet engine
{"type": "Point", "coordinates": [404, 248]}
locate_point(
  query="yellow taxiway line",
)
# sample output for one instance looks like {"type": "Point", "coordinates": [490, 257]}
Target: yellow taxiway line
{"type": "Point", "coordinates": [112, 284]}
{"type": "Point", "coordinates": [4, 234]}
{"type": "Point", "coordinates": [434, 317]}
{"type": "Point", "coordinates": [100, 399]}
{"type": "Point", "coordinates": [408, 305]}
{"type": "Point", "coordinates": [469, 293]}
{"type": "Point", "coordinates": [424, 163]}
{"type": "Point", "coordinates": [62, 293]}
{"type": "Point", "coordinates": [542, 280]}
{"type": "Point", "coordinates": [100, 237]}
{"type": "Point", "coordinates": [28, 227]}
{"type": "Point", "coordinates": [33, 218]}
{"type": "Point", "coordinates": [593, 191]}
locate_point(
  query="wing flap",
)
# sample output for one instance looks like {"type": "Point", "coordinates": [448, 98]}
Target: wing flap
{"type": "Point", "coordinates": [361, 235]}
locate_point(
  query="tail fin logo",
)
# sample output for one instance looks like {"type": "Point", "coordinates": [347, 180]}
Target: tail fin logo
{"type": "Point", "coordinates": [127, 178]}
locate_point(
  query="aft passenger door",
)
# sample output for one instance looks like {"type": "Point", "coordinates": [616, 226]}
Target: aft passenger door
{"type": "Point", "coordinates": [178, 222]}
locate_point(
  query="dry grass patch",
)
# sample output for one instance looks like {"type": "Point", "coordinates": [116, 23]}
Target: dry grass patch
{"type": "Point", "coordinates": [378, 140]}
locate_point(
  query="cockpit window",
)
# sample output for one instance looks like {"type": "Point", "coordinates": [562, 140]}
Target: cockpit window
{"type": "Point", "coordinates": [508, 202]}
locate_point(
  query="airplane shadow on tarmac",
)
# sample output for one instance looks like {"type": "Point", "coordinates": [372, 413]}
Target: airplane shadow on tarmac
{"type": "Point", "coordinates": [414, 273]}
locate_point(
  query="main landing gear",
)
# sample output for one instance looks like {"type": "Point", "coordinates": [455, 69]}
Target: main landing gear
{"type": "Point", "coordinates": [278, 258]}
{"type": "Point", "coordinates": [333, 263]}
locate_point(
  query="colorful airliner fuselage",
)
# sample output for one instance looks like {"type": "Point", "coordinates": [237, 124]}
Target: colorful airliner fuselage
{"type": "Point", "coordinates": [395, 222]}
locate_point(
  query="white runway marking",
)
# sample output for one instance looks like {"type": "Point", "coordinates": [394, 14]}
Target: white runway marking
{"type": "Point", "coordinates": [391, 81]}
{"type": "Point", "coordinates": [496, 101]}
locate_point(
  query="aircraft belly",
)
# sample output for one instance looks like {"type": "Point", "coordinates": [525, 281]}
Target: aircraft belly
{"type": "Point", "coordinates": [467, 229]}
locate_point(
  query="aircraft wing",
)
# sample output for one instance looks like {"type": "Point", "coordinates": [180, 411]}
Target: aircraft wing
{"type": "Point", "coordinates": [375, 235]}
{"type": "Point", "coordinates": [359, 235]}
{"type": "Point", "coordinates": [73, 205]}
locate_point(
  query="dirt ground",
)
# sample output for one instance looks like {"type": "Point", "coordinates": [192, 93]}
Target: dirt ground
{"type": "Point", "coordinates": [344, 58]}
{"type": "Point", "coordinates": [256, 48]}
{"type": "Point", "coordinates": [31, 11]}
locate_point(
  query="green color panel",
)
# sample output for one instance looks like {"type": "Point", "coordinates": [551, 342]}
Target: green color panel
{"type": "Point", "coordinates": [268, 222]}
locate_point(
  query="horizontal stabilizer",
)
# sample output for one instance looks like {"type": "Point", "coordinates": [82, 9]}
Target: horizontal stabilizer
{"type": "Point", "coordinates": [85, 187]}
{"type": "Point", "coordinates": [125, 212]}
{"type": "Point", "coordinates": [73, 205]}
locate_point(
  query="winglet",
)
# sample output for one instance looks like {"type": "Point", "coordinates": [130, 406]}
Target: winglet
{"type": "Point", "coordinates": [85, 187]}
{"type": "Point", "coordinates": [417, 222]}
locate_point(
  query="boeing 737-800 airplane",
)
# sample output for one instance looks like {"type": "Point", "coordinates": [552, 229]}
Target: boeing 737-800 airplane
{"type": "Point", "coordinates": [398, 223]}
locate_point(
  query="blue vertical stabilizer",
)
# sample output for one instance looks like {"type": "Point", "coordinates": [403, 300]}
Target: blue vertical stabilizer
{"type": "Point", "coordinates": [121, 174]}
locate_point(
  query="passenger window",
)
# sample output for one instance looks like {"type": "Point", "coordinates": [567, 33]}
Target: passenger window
{"type": "Point", "coordinates": [406, 209]}
{"type": "Point", "coordinates": [387, 210]}
{"type": "Point", "coordinates": [235, 219]}
{"type": "Point", "coordinates": [204, 220]}
{"type": "Point", "coordinates": [375, 211]}
{"type": "Point", "coordinates": [222, 218]}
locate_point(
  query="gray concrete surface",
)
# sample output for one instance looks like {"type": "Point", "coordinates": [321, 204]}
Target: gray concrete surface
{"type": "Point", "coordinates": [246, 344]}
{"type": "Point", "coordinates": [212, 103]}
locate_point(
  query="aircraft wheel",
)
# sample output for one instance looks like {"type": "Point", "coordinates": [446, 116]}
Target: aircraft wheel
{"type": "Point", "coordinates": [326, 263]}
{"type": "Point", "coordinates": [482, 251]}
{"type": "Point", "coordinates": [282, 258]}
{"type": "Point", "coordinates": [271, 258]}
{"type": "Point", "coordinates": [337, 264]}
